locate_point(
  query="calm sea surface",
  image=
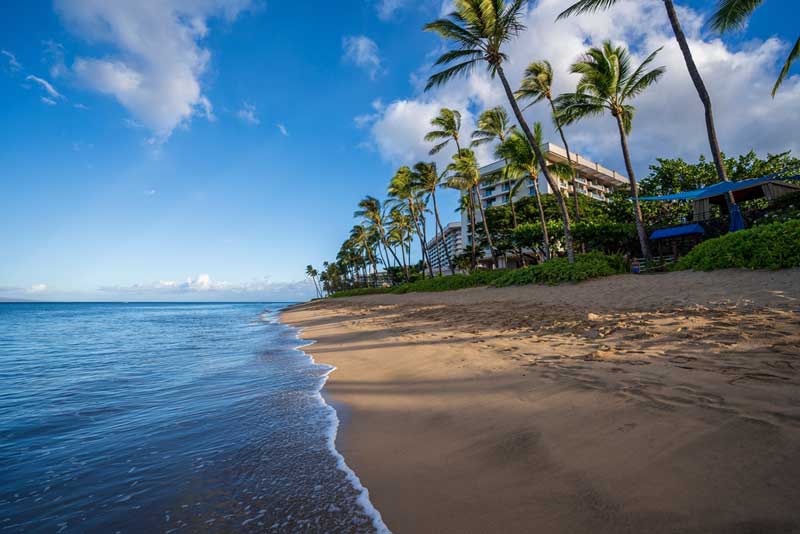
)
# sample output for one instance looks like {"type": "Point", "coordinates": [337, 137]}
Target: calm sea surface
{"type": "Point", "coordinates": [166, 418]}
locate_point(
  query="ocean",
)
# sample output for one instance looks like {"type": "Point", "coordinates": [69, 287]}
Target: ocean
{"type": "Point", "coordinates": [140, 418]}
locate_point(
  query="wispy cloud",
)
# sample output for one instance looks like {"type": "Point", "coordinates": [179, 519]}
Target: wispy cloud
{"type": "Point", "coordinates": [362, 52]}
{"type": "Point", "coordinates": [49, 101]}
{"type": "Point", "coordinates": [47, 86]}
{"type": "Point", "coordinates": [282, 129]}
{"type": "Point", "coordinates": [80, 106]}
{"type": "Point", "coordinates": [150, 192]}
{"type": "Point", "coordinates": [247, 114]}
{"type": "Point", "coordinates": [38, 288]}
{"type": "Point", "coordinates": [13, 64]}
{"type": "Point", "coordinates": [387, 9]}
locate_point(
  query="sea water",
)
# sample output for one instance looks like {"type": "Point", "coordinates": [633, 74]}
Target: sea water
{"type": "Point", "coordinates": [137, 418]}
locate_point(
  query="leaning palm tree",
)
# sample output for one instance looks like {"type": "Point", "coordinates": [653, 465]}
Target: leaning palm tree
{"type": "Point", "coordinates": [479, 29]}
{"type": "Point", "coordinates": [446, 127]}
{"type": "Point", "coordinates": [312, 273]}
{"type": "Point", "coordinates": [371, 210]}
{"type": "Point", "coordinates": [399, 231]}
{"type": "Point", "coordinates": [464, 175]}
{"type": "Point", "coordinates": [590, 6]}
{"type": "Point", "coordinates": [733, 15]}
{"type": "Point", "coordinates": [401, 188]}
{"type": "Point", "coordinates": [523, 164]}
{"type": "Point", "coordinates": [537, 85]}
{"type": "Point", "coordinates": [428, 179]}
{"type": "Point", "coordinates": [608, 81]}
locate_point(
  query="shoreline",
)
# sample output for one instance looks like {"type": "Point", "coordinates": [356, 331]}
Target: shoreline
{"type": "Point", "coordinates": [616, 405]}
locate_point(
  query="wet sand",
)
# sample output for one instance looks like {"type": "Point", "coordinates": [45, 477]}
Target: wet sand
{"type": "Point", "coordinates": [663, 403]}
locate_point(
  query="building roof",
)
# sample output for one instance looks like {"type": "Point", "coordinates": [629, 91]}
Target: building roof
{"type": "Point", "coordinates": [557, 154]}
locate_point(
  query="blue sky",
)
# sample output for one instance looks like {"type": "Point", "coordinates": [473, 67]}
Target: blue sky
{"type": "Point", "coordinates": [211, 149]}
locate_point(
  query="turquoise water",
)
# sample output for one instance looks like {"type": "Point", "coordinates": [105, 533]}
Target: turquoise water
{"type": "Point", "coordinates": [167, 418]}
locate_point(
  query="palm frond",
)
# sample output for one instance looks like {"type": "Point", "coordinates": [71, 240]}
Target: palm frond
{"type": "Point", "coordinates": [793, 55]}
{"type": "Point", "coordinates": [585, 6]}
{"type": "Point", "coordinates": [644, 82]}
{"type": "Point", "coordinates": [732, 14]}
{"type": "Point", "coordinates": [442, 77]}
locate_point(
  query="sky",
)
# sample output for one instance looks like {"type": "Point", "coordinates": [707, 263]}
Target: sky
{"type": "Point", "coordinates": [211, 149]}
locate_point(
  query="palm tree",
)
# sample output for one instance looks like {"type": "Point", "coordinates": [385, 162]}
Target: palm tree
{"type": "Point", "coordinates": [537, 85]}
{"type": "Point", "coordinates": [607, 83]}
{"type": "Point", "coordinates": [362, 238]}
{"type": "Point", "coordinates": [312, 273]}
{"type": "Point", "coordinates": [493, 125]}
{"type": "Point", "coordinates": [401, 188]}
{"type": "Point", "coordinates": [479, 28]}
{"type": "Point", "coordinates": [399, 233]}
{"type": "Point", "coordinates": [590, 6]}
{"type": "Point", "coordinates": [372, 211]}
{"type": "Point", "coordinates": [464, 175]}
{"type": "Point", "coordinates": [523, 163]}
{"type": "Point", "coordinates": [427, 178]}
{"type": "Point", "coordinates": [733, 14]}
{"type": "Point", "coordinates": [447, 124]}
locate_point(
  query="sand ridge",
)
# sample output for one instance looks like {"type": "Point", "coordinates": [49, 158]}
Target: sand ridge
{"type": "Point", "coordinates": [661, 403]}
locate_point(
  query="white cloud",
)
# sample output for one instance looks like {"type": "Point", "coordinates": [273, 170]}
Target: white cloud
{"type": "Point", "coordinates": [80, 106]}
{"type": "Point", "coordinates": [38, 288]}
{"type": "Point", "coordinates": [156, 68]}
{"type": "Point", "coordinates": [48, 101]}
{"type": "Point", "coordinates": [283, 130]}
{"type": "Point", "coordinates": [247, 114]}
{"type": "Point", "coordinates": [669, 119]}
{"type": "Point", "coordinates": [54, 54]}
{"type": "Point", "coordinates": [47, 86]}
{"type": "Point", "coordinates": [13, 64]}
{"type": "Point", "coordinates": [363, 52]}
{"type": "Point", "coordinates": [150, 192]}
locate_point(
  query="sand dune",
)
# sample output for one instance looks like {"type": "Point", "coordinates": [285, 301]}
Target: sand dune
{"type": "Point", "coordinates": [666, 403]}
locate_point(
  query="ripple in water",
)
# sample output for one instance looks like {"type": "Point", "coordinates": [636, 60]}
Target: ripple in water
{"type": "Point", "coordinates": [167, 418]}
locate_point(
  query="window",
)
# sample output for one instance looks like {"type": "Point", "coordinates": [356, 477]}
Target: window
{"type": "Point", "coordinates": [507, 186]}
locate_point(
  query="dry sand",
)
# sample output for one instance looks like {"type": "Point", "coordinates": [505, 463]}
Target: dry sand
{"type": "Point", "coordinates": [664, 403]}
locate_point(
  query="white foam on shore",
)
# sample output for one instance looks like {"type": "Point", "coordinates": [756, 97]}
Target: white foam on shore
{"type": "Point", "coordinates": [333, 430]}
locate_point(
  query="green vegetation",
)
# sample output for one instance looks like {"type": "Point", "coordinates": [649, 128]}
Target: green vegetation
{"type": "Point", "coordinates": [556, 271]}
{"type": "Point", "coordinates": [559, 270]}
{"type": "Point", "coordinates": [768, 246]}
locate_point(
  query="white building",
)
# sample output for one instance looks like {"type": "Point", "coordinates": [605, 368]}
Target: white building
{"type": "Point", "coordinates": [592, 180]}
{"type": "Point", "coordinates": [438, 247]}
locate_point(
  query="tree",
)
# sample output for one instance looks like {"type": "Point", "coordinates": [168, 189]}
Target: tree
{"type": "Point", "coordinates": [608, 81]}
{"type": "Point", "coordinates": [312, 273]}
{"type": "Point", "coordinates": [402, 189]}
{"type": "Point", "coordinates": [464, 175]}
{"type": "Point", "coordinates": [427, 179]}
{"type": "Point", "coordinates": [492, 125]}
{"type": "Point", "coordinates": [479, 29]}
{"type": "Point", "coordinates": [590, 6]}
{"type": "Point", "coordinates": [447, 124]}
{"type": "Point", "coordinates": [522, 161]}
{"type": "Point", "coordinates": [733, 15]}
{"type": "Point", "coordinates": [537, 86]}
{"type": "Point", "coordinates": [372, 211]}
{"type": "Point", "coordinates": [363, 239]}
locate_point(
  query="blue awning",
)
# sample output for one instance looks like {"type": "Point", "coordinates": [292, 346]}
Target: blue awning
{"type": "Point", "coordinates": [677, 231]}
{"type": "Point", "coordinates": [721, 188]}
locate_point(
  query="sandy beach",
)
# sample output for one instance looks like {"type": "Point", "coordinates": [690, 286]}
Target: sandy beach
{"type": "Point", "coordinates": [665, 403]}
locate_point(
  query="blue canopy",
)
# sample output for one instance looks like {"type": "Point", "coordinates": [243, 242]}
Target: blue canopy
{"type": "Point", "coordinates": [677, 231]}
{"type": "Point", "coordinates": [721, 188]}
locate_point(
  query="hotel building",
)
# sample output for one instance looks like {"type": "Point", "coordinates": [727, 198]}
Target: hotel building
{"type": "Point", "coordinates": [592, 180]}
{"type": "Point", "coordinates": [452, 242]}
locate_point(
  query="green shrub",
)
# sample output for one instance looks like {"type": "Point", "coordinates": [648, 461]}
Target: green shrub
{"type": "Point", "coordinates": [559, 270]}
{"type": "Point", "coordinates": [768, 246]}
{"type": "Point", "coordinates": [357, 291]}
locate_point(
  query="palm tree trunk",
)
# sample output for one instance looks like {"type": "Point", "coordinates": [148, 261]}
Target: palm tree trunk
{"type": "Point", "coordinates": [420, 236]}
{"type": "Point", "coordinates": [542, 220]}
{"type": "Point", "coordinates": [637, 210]}
{"type": "Point", "coordinates": [569, 158]}
{"type": "Point", "coordinates": [424, 225]}
{"type": "Point", "coordinates": [486, 227]}
{"type": "Point", "coordinates": [702, 92]}
{"type": "Point", "coordinates": [542, 163]}
{"type": "Point", "coordinates": [471, 216]}
{"type": "Point", "coordinates": [441, 231]}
